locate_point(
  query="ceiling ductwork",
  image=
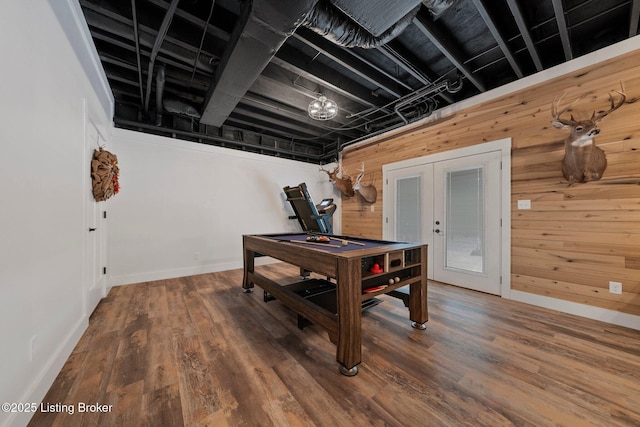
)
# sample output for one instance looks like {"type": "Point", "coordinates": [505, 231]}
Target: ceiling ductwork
{"type": "Point", "coordinates": [266, 24]}
{"type": "Point", "coordinates": [357, 26]}
{"type": "Point", "coordinates": [438, 7]}
{"type": "Point", "coordinates": [160, 79]}
{"type": "Point", "coordinates": [252, 66]}
{"type": "Point", "coordinates": [181, 108]}
{"type": "Point", "coordinates": [263, 27]}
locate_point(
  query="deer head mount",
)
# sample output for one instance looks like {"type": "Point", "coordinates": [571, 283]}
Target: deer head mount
{"type": "Point", "coordinates": [583, 161]}
{"type": "Point", "coordinates": [344, 183]}
{"type": "Point", "coordinates": [367, 192]}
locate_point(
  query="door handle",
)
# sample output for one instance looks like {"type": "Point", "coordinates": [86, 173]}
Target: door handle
{"type": "Point", "coordinates": [92, 229]}
{"type": "Point", "coordinates": [437, 230]}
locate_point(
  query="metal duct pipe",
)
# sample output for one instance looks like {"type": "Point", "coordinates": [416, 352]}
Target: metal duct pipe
{"type": "Point", "coordinates": [263, 27]}
{"type": "Point", "coordinates": [160, 78]}
{"type": "Point", "coordinates": [438, 7]}
{"type": "Point", "coordinates": [333, 24]}
{"type": "Point", "coordinates": [446, 85]}
{"type": "Point", "coordinates": [164, 27]}
{"type": "Point", "coordinates": [181, 108]}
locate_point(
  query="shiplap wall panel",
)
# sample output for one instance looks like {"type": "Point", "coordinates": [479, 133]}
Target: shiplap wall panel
{"type": "Point", "coordinates": [574, 239]}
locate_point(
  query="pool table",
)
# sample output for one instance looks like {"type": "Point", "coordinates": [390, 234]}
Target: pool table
{"type": "Point", "coordinates": [360, 269]}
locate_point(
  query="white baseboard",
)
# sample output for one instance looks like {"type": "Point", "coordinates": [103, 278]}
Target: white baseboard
{"type": "Point", "coordinates": [149, 276]}
{"type": "Point", "coordinates": [37, 391]}
{"type": "Point", "coordinates": [583, 310]}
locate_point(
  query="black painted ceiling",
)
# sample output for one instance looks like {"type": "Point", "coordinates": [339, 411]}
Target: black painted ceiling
{"type": "Point", "coordinates": [241, 74]}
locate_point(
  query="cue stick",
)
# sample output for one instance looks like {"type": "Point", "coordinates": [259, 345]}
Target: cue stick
{"type": "Point", "coordinates": [313, 243]}
{"type": "Point", "coordinates": [340, 240]}
{"type": "Point", "coordinates": [348, 241]}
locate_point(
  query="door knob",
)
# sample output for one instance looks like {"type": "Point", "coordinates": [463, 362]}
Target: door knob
{"type": "Point", "coordinates": [437, 230]}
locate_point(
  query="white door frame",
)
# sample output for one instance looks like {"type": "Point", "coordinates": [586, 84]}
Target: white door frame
{"type": "Point", "coordinates": [502, 145]}
{"type": "Point", "coordinates": [94, 286]}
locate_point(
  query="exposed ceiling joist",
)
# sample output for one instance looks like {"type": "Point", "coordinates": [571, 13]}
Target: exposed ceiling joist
{"type": "Point", "coordinates": [388, 51]}
{"type": "Point", "coordinates": [484, 13]}
{"type": "Point", "coordinates": [430, 29]}
{"type": "Point", "coordinates": [324, 77]}
{"type": "Point", "coordinates": [394, 74]}
{"type": "Point", "coordinates": [634, 18]}
{"type": "Point", "coordinates": [347, 61]}
{"type": "Point", "coordinates": [200, 23]}
{"type": "Point", "coordinates": [558, 9]}
{"type": "Point", "coordinates": [524, 32]}
{"type": "Point", "coordinates": [136, 38]}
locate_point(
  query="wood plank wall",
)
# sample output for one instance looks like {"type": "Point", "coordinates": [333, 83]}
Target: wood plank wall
{"type": "Point", "coordinates": [575, 239]}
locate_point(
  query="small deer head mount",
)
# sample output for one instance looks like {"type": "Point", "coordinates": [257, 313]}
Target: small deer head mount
{"type": "Point", "coordinates": [367, 192]}
{"type": "Point", "coordinates": [344, 183]}
{"type": "Point", "coordinates": [583, 161]}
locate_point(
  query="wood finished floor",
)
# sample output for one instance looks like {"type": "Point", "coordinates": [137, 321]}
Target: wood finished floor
{"type": "Point", "coordinates": [196, 351]}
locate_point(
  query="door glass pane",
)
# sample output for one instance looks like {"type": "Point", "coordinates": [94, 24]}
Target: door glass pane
{"type": "Point", "coordinates": [465, 240]}
{"type": "Point", "coordinates": [408, 210]}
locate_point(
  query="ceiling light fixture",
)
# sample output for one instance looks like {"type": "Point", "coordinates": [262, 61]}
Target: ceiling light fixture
{"type": "Point", "coordinates": [322, 108]}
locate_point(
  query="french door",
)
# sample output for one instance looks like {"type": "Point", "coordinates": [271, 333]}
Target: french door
{"type": "Point", "coordinates": [454, 206]}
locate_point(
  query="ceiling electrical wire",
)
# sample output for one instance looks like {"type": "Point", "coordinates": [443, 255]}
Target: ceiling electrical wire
{"type": "Point", "coordinates": [204, 33]}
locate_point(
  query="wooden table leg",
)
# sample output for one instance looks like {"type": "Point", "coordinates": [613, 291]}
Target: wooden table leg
{"type": "Point", "coordinates": [418, 312]}
{"type": "Point", "coordinates": [349, 301]}
{"type": "Point", "coordinates": [249, 266]}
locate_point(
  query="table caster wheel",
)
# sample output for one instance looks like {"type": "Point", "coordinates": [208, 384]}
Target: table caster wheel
{"type": "Point", "coordinates": [248, 290]}
{"type": "Point", "coordinates": [421, 326]}
{"type": "Point", "coordinates": [348, 372]}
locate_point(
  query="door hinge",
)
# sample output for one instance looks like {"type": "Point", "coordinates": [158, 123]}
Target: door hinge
{"type": "Point", "coordinates": [104, 270]}
{"type": "Point", "coordinates": [104, 214]}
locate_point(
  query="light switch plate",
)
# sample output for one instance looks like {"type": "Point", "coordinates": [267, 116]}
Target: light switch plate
{"type": "Point", "coordinates": [524, 204]}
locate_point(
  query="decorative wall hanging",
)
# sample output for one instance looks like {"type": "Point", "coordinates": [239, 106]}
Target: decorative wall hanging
{"type": "Point", "coordinates": [367, 192]}
{"type": "Point", "coordinates": [583, 160]}
{"type": "Point", "coordinates": [104, 174]}
{"type": "Point", "coordinates": [344, 183]}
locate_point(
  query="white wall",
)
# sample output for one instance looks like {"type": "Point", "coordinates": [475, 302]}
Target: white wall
{"type": "Point", "coordinates": [44, 91]}
{"type": "Point", "coordinates": [184, 206]}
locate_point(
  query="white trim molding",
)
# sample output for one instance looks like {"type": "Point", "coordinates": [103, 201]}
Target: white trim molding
{"type": "Point", "coordinates": [582, 310]}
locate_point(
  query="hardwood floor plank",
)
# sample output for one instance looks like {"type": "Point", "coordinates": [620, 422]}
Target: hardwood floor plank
{"type": "Point", "coordinates": [197, 351]}
{"type": "Point", "coordinates": [159, 366]}
{"type": "Point", "coordinates": [198, 394]}
{"type": "Point", "coordinates": [162, 407]}
{"type": "Point", "coordinates": [320, 409]}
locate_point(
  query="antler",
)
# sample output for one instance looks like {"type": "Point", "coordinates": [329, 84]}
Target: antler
{"type": "Point", "coordinates": [344, 184]}
{"type": "Point", "coordinates": [614, 106]}
{"type": "Point", "coordinates": [368, 192]}
{"type": "Point", "coordinates": [556, 115]}
{"type": "Point", "coordinates": [583, 160]}
{"type": "Point", "coordinates": [329, 172]}
{"type": "Point", "coordinates": [359, 177]}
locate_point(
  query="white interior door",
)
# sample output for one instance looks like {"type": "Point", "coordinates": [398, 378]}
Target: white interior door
{"type": "Point", "coordinates": [95, 282]}
{"type": "Point", "coordinates": [411, 210]}
{"type": "Point", "coordinates": [467, 222]}
{"type": "Point", "coordinates": [454, 206]}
